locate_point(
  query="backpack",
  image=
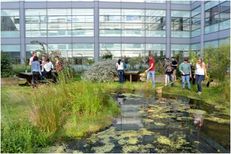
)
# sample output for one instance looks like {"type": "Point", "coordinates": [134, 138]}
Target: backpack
{"type": "Point", "coordinates": [168, 69]}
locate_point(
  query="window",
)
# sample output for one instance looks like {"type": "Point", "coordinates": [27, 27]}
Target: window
{"type": "Point", "coordinates": [155, 23]}
{"type": "Point", "coordinates": [180, 1]}
{"type": "Point", "coordinates": [10, 23]}
{"type": "Point", "coordinates": [217, 17]}
{"type": "Point", "coordinates": [59, 22]}
{"type": "Point", "coordinates": [180, 23]}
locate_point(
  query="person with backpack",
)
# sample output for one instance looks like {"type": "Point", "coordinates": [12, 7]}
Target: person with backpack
{"type": "Point", "coordinates": [168, 72]}
{"type": "Point", "coordinates": [185, 69]}
{"type": "Point", "coordinates": [174, 66]}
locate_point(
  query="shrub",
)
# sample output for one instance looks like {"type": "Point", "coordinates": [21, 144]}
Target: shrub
{"type": "Point", "coordinates": [102, 71]}
{"type": "Point", "coordinates": [21, 68]}
{"type": "Point", "coordinates": [6, 65]}
{"type": "Point", "coordinates": [218, 61]}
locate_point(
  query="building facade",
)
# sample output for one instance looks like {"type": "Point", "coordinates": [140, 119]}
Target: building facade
{"type": "Point", "coordinates": [87, 28]}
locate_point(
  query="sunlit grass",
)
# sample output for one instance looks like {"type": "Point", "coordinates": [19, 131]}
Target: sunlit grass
{"type": "Point", "coordinates": [217, 96]}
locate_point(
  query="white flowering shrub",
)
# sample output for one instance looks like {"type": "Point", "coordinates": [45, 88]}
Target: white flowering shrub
{"type": "Point", "coordinates": [103, 71]}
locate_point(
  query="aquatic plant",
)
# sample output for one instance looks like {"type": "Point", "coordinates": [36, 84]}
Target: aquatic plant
{"type": "Point", "coordinates": [105, 148]}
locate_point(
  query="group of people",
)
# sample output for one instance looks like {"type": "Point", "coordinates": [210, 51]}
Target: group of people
{"type": "Point", "coordinates": [199, 74]}
{"type": "Point", "coordinates": [170, 68]}
{"type": "Point", "coordinates": [43, 69]}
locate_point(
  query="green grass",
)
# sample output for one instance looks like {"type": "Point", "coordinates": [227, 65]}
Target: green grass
{"type": "Point", "coordinates": [71, 110]}
{"type": "Point", "coordinates": [216, 96]}
{"type": "Point", "coordinates": [15, 102]}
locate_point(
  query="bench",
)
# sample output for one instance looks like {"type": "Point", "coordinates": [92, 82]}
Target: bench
{"type": "Point", "coordinates": [25, 75]}
{"type": "Point", "coordinates": [132, 75]}
{"type": "Point", "coordinates": [28, 77]}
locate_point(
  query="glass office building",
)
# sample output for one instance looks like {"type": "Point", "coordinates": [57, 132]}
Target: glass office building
{"type": "Point", "coordinates": [88, 28]}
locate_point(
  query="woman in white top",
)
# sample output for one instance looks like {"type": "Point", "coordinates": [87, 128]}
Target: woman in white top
{"type": "Point", "coordinates": [47, 68]}
{"type": "Point", "coordinates": [200, 73]}
{"type": "Point", "coordinates": [120, 70]}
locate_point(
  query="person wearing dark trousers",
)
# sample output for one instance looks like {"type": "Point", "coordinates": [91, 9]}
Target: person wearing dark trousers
{"type": "Point", "coordinates": [174, 66]}
{"type": "Point", "coordinates": [36, 71]}
{"type": "Point", "coordinates": [185, 69]}
{"type": "Point", "coordinates": [200, 74]}
{"type": "Point", "coordinates": [47, 69]}
{"type": "Point", "coordinates": [120, 70]}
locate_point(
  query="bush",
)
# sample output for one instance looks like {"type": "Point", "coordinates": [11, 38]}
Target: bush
{"type": "Point", "coordinates": [21, 137]}
{"type": "Point", "coordinates": [107, 55]}
{"type": "Point", "coordinates": [103, 71]}
{"type": "Point", "coordinates": [6, 65]}
{"type": "Point", "coordinates": [218, 60]}
{"type": "Point", "coordinates": [21, 68]}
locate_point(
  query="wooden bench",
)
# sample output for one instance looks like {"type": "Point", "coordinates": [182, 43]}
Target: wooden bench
{"type": "Point", "coordinates": [132, 75]}
{"type": "Point", "coordinates": [25, 75]}
{"type": "Point", "coordinates": [28, 77]}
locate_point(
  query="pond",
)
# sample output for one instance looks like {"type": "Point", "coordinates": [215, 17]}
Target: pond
{"type": "Point", "coordinates": [149, 123]}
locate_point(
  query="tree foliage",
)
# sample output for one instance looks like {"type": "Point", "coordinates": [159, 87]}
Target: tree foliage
{"type": "Point", "coordinates": [218, 61]}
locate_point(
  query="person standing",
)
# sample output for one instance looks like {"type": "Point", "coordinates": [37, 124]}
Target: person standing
{"type": "Point", "coordinates": [58, 64]}
{"type": "Point", "coordinates": [120, 70]}
{"type": "Point", "coordinates": [185, 69]}
{"type": "Point", "coordinates": [32, 57]}
{"type": "Point", "coordinates": [36, 71]}
{"type": "Point", "coordinates": [168, 72]}
{"type": "Point", "coordinates": [174, 66]}
{"type": "Point", "coordinates": [200, 73]}
{"type": "Point", "coordinates": [151, 70]}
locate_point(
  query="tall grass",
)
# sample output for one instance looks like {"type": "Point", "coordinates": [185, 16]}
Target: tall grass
{"type": "Point", "coordinates": [66, 109]}
{"type": "Point", "coordinates": [21, 136]}
{"type": "Point", "coordinates": [54, 106]}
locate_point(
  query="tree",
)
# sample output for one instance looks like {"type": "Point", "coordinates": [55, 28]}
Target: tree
{"type": "Point", "coordinates": [218, 61]}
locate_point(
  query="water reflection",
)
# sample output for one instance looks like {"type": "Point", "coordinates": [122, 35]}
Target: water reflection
{"type": "Point", "coordinates": [198, 120]}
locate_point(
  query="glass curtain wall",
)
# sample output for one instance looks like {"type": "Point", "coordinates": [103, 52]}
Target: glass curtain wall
{"type": "Point", "coordinates": [61, 23]}
{"type": "Point", "coordinates": [180, 24]}
{"type": "Point", "coordinates": [130, 23]}
{"type": "Point", "coordinates": [155, 23]}
{"type": "Point", "coordinates": [36, 23]}
{"type": "Point", "coordinates": [196, 22]}
{"type": "Point", "coordinates": [133, 22]}
{"type": "Point", "coordinates": [217, 16]}
{"type": "Point", "coordinates": [10, 28]}
{"type": "Point", "coordinates": [131, 50]}
{"type": "Point", "coordinates": [10, 23]}
{"type": "Point", "coordinates": [179, 49]}
{"type": "Point", "coordinates": [110, 22]}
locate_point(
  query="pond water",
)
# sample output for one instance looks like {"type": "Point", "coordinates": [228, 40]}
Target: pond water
{"type": "Point", "coordinates": [158, 124]}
